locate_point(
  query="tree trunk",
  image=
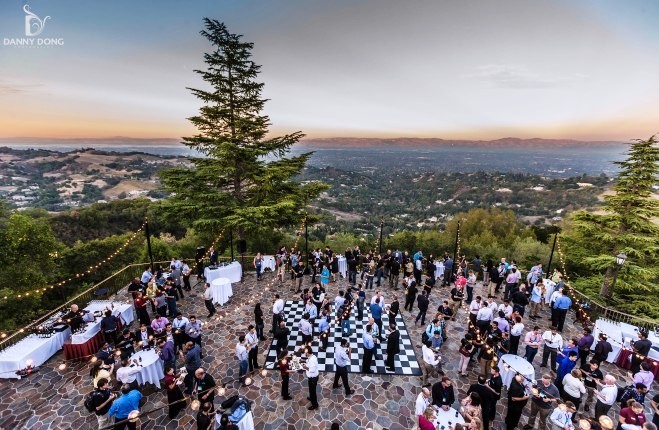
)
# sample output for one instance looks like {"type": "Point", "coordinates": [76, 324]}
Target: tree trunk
{"type": "Point", "coordinates": [606, 291]}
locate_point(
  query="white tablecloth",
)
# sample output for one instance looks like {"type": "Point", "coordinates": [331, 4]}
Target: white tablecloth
{"type": "Point", "coordinates": [614, 332]}
{"type": "Point", "coordinates": [123, 310]}
{"type": "Point", "coordinates": [152, 368]}
{"type": "Point", "coordinates": [268, 263]}
{"type": "Point", "coordinates": [446, 417]}
{"type": "Point", "coordinates": [439, 269]}
{"type": "Point", "coordinates": [34, 348]}
{"type": "Point", "coordinates": [247, 423]}
{"type": "Point", "coordinates": [233, 271]}
{"type": "Point", "coordinates": [517, 365]}
{"type": "Point", "coordinates": [221, 289]}
{"type": "Point", "coordinates": [343, 266]}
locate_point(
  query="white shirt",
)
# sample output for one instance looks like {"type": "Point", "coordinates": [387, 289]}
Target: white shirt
{"type": "Point", "coordinates": [305, 327]}
{"type": "Point", "coordinates": [560, 418]}
{"type": "Point", "coordinates": [429, 356]}
{"type": "Point", "coordinates": [507, 310]}
{"type": "Point", "coordinates": [381, 301]}
{"type": "Point", "coordinates": [517, 329]}
{"type": "Point", "coordinates": [552, 340]}
{"type": "Point", "coordinates": [554, 296]}
{"type": "Point", "coordinates": [493, 306]}
{"type": "Point", "coordinates": [573, 386]}
{"type": "Point", "coordinates": [278, 307]}
{"type": "Point", "coordinates": [474, 307]}
{"type": "Point", "coordinates": [484, 314]}
{"type": "Point", "coordinates": [312, 366]}
{"type": "Point", "coordinates": [421, 404]}
{"type": "Point", "coordinates": [252, 339]}
{"type": "Point", "coordinates": [128, 374]}
{"type": "Point", "coordinates": [208, 294]}
{"type": "Point", "coordinates": [241, 352]}
{"type": "Point", "coordinates": [179, 324]}
{"type": "Point", "coordinates": [609, 392]}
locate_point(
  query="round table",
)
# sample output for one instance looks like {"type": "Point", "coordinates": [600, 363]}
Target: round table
{"type": "Point", "coordinates": [510, 365]}
{"type": "Point", "coordinates": [268, 263]}
{"type": "Point", "coordinates": [221, 290]}
{"type": "Point", "coordinates": [152, 367]}
{"type": "Point", "coordinates": [343, 266]}
{"type": "Point", "coordinates": [444, 419]}
{"type": "Point", "coordinates": [439, 269]}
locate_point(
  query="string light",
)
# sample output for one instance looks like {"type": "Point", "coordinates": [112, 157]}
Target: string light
{"type": "Point", "coordinates": [85, 272]}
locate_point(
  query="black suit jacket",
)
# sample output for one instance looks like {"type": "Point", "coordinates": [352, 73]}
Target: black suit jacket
{"type": "Point", "coordinates": [137, 337]}
{"type": "Point", "coordinates": [442, 396]}
{"type": "Point", "coordinates": [393, 343]}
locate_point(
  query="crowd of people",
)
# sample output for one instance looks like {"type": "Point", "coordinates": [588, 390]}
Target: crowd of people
{"type": "Point", "coordinates": [499, 309]}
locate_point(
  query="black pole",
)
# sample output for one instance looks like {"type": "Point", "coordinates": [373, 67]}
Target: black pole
{"type": "Point", "coordinates": [148, 242]}
{"type": "Point", "coordinates": [231, 242]}
{"type": "Point", "coordinates": [306, 242]}
{"type": "Point", "coordinates": [455, 250]}
{"type": "Point", "coordinates": [551, 256]}
{"type": "Point", "coordinates": [380, 241]}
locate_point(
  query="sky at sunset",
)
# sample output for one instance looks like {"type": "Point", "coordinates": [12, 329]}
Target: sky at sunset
{"type": "Point", "coordinates": [479, 69]}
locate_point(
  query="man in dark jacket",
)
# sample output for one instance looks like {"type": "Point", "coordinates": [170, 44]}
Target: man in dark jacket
{"type": "Point", "coordinates": [487, 398]}
{"type": "Point", "coordinates": [443, 394]}
{"type": "Point", "coordinates": [394, 308]}
{"type": "Point", "coordinates": [520, 300]}
{"type": "Point", "coordinates": [410, 296]}
{"type": "Point", "coordinates": [281, 335]}
{"type": "Point", "coordinates": [422, 303]}
{"type": "Point", "coordinates": [393, 347]}
{"type": "Point", "coordinates": [394, 273]}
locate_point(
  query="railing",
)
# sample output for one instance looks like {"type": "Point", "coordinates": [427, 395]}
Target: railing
{"type": "Point", "coordinates": [599, 310]}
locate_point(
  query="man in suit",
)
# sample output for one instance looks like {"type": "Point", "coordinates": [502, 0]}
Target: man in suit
{"type": "Point", "coordinates": [393, 347]}
{"type": "Point", "coordinates": [144, 335]}
{"type": "Point", "coordinates": [212, 254]}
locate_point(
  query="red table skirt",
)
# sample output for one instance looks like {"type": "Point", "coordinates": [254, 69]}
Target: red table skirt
{"type": "Point", "coordinates": [91, 347]}
{"type": "Point", "coordinates": [624, 362]}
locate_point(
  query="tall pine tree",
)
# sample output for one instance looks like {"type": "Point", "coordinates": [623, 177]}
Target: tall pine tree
{"type": "Point", "coordinates": [629, 225]}
{"type": "Point", "coordinates": [245, 181]}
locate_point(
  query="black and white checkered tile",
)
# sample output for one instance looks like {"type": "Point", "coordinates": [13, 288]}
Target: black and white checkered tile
{"type": "Point", "coordinates": [405, 362]}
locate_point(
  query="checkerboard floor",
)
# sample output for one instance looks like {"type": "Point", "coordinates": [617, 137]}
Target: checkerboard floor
{"type": "Point", "coordinates": [405, 362]}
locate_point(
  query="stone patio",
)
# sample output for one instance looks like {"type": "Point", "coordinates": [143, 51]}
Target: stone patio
{"type": "Point", "coordinates": [53, 399]}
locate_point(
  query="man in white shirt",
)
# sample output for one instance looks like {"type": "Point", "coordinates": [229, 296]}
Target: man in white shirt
{"type": "Point", "coordinates": [379, 295]}
{"type": "Point", "coordinates": [556, 294]}
{"type": "Point", "coordinates": [562, 415]}
{"type": "Point", "coordinates": [430, 362]}
{"type": "Point", "coordinates": [483, 319]}
{"type": "Point", "coordinates": [553, 342]}
{"type": "Point", "coordinates": [306, 329]}
{"type": "Point", "coordinates": [253, 347]}
{"type": "Point", "coordinates": [128, 371]}
{"type": "Point", "coordinates": [515, 334]}
{"type": "Point", "coordinates": [242, 356]}
{"type": "Point", "coordinates": [474, 307]}
{"type": "Point", "coordinates": [422, 402]}
{"type": "Point", "coordinates": [606, 396]}
{"type": "Point", "coordinates": [277, 311]}
{"type": "Point", "coordinates": [311, 367]}
{"type": "Point", "coordinates": [506, 308]}
{"type": "Point", "coordinates": [492, 304]}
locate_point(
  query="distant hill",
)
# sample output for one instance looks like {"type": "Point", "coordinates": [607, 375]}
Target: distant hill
{"type": "Point", "coordinates": [402, 142]}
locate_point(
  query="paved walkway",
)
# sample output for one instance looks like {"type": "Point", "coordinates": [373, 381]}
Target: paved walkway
{"type": "Point", "coordinates": [53, 399]}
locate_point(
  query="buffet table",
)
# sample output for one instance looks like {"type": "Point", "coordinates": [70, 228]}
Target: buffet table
{"type": "Point", "coordinates": [614, 331]}
{"type": "Point", "coordinates": [34, 348]}
{"type": "Point", "coordinates": [510, 365]}
{"type": "Point", "coordinates": [221, 290]}
{"type": "Point", "coordinates": [152, 367]}
{"type": "Point", "coordinates": [625, 362]}
{"type": "Point", "coordinates": [268, 263]}
{"type": "Point", "coordinates": [89, 341]}
{"type": "Point", "coordinates": [233, 271]}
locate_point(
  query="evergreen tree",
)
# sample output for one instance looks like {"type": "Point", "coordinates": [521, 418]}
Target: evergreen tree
{"type": "Point", "coordinates": [245, 181]}
{"type": "Point", "coordinates": [629, 226]}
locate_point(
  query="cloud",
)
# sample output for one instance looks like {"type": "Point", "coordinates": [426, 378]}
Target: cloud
{"type": "Point", "coordinates": [12, 88]}
{"type": "Point", "coordinates": [513, 76]}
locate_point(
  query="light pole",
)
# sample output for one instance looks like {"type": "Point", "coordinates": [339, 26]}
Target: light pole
{"type": "Point", "coordinates": [620, 260]}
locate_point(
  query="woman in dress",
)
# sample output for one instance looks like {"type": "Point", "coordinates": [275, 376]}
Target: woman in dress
{"type": "Point", "coordinates": [174, 393]}
{"type": "Point", "coordinates": [517, 399]}
{"type": "Point", "coordinates": [100, 370]}
{"type": "Point", "coordinates": [324, 276]}
{"type": "Point", "coordinates": [334, 263]}
{"type": "Point", "coordinates": [471, 407]}
{"type": "Point", "coordinates": [259, 323]}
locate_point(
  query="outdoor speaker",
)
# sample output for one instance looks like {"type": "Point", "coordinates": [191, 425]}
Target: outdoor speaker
{"type": "Point", "coordinates": [242, 246]}
{"type": "Point", "coordinates": [201, 251]}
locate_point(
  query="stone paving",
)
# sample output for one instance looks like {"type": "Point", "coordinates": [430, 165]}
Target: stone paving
{"type": "Point", "coordinates": [53, 399]}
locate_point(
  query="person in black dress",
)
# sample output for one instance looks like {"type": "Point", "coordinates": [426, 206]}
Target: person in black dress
{"type": "Point", "coordinates": [517, 399]}
{"type": "Point", "coordinates": [259, 323]}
